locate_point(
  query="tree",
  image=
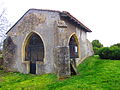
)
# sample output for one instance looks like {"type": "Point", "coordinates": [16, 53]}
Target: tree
{"type": "Point", "coordinates": [96, 46]}
{"type": "Point", "coordinates": [118, 45]}
{"type": "Point", "coordinates": [4, 25]}
{"type": "Point", "coordinates": [96, 43]}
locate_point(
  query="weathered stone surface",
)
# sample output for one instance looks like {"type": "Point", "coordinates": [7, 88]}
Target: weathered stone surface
{"type": "Point", "coordinates": [62, 61]}
{"type": "Point", "coordinates": [1, 63]}
{"type": "Point", "coordinates": [31, 21]}
{"type": "Point", "coordinates": [8, 53]}
{"type": "Point", "coordinates": [55, 33]}
{"type": "Point", "coordinates": [90, 48]}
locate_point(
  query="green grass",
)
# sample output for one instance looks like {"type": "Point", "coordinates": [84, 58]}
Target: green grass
{"type": "Point", "coordinates": [95, 74]}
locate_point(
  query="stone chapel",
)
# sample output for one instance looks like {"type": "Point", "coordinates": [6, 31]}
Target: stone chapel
{"type": "Point", "coordinates": [46, 41]}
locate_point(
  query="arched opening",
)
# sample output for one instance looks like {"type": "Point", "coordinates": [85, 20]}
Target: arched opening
{"type": "Point", "coordinates": [34, 51]}
{"type": "Point", "coordinates": [73, 46]}
{"type": "Point", "coordinates": [74, 53]}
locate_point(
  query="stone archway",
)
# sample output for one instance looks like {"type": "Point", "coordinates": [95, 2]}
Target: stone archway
{"type": "Point", "coordinates": [34, 51]}
{"type": "Point", "coordinates": [74, 53]}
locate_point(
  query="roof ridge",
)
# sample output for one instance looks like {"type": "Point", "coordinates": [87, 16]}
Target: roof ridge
{"type": "Point", "coordinates": [45, 10]}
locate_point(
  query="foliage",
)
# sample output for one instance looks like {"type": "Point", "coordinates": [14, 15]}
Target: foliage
{"type": "Point", "coordinates": [118, 45]}
{"type": "Point", "coordinates": [104, 52]}
{"type": "Point", "coordinates": [95, 74]}
{"type": "Point", "coordinates": [115, 53]}
{"type": "Point", "coordinates": [96, 43]}
{"type": "Point", "coordinates": [96, 46]}
{"type": "Point", "coordinates": [96, 50]}
{"type": "Point", "coordinates": [112, 52]}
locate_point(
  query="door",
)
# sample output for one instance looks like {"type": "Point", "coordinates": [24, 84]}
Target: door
{"type": "Point", "coordinates": [33, 58]}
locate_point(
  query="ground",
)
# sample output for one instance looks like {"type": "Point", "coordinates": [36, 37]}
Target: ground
{"type": "Point", "coordinates": [95, 74]}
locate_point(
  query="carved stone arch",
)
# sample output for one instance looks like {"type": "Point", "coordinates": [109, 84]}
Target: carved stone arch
{"type": "Point", "coordinates": [33, 51]}
{"type": "Point", "coordinates": [74, 50]}
{"type": "Point", "coordinates": [74, 36]}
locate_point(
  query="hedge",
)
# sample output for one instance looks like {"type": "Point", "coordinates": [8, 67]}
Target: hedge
{"type": "Point", "coordinates": [110, 53]}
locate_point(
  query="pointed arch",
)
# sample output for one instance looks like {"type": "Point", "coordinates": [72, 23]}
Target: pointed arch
{"type": "Point", "coordinates": [33, 50]}
{"type": "Point", "coordinates": [27, 40]}
{"type": "Point", "coordinates": [74, 45]}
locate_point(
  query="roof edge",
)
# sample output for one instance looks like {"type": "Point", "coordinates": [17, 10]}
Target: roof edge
{"type": "Point", "coordinates": [72, 17]}
{"type": "Point", "coordinates": [18, 21]}
{"type": "Point", "coordinates": [63, 12]}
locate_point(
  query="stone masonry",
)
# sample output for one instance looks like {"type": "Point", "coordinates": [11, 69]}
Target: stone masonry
{"type": "Point", "coordinates": [54, 30]}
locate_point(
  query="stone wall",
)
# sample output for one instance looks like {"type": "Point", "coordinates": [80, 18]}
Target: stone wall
{"type": "Point", "coordinates": [62, 61]}
{"type": "Point", "coordinates": [82, 37]}
{"type": "Point", "coordinates": [90, 48]}
{"type": "Point", "coordinates": [61, 50]}
{"type": "Point", "coordinates": [1, 63]}
{"type": "Point", "coordinates": [9, 52]}
{"type": "Point", "coordinates": [55, 34]}
{"type": "Point", "coordinates": [43, 24]}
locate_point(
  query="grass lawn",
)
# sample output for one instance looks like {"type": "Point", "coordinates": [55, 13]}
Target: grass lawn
{"type": "Point", "coordinates": [95, 74]}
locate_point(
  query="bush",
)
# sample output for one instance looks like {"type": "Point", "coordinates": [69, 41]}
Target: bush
{"type": "Point", "coordinates": [96, 46]}
{"type": "Point", "coordinates": [118, 45]}
{"type": "Point", "coordinates": [104, 52]}
{"type": "Point", "coordinates": [96, 50]}
{"type": "Point", "coordinates": [115, 53]}
{"type": "Point", "coordinates": [110, 53]}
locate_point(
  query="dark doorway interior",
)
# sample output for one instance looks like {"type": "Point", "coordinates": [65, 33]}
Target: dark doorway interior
{"type": "Point", "coordinates": [32, 68]}
{"type": "Point", "coordinates": [72, 70]}
{"type": "Point", "coordinates": [34, 51]}
{"type": "Point", "coordinates": [73, 46]}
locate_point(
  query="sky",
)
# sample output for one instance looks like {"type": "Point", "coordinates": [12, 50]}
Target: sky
{"type": "Point", "coordinates": [101, 16]}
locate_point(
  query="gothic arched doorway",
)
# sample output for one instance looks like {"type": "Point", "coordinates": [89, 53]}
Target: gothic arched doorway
{"type": "Point", "coordinates": [34, 51]}
{"type": "Point", "coordinates": [74, 53]}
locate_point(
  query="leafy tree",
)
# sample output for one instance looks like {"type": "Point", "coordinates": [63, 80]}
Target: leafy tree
{"type": "Point", "coordinates": [96, 43]}
{"type": "Point", "coordinates": [118, 45]}
{"type": "Point", "coordinates": [96, 46]}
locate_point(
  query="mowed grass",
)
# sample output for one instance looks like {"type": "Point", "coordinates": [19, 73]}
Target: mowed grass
{"type": "Point", "coordinates": [95, 74]}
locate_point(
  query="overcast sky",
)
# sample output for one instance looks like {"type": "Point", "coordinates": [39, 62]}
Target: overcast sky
{"type": "Point", "coordinates": [101, 16]}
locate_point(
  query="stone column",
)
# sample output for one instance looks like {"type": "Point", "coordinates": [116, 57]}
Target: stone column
{"type": "Point", "coordinates": [62, 57]}
{"type": "Point", "coordinates": [62, 62]}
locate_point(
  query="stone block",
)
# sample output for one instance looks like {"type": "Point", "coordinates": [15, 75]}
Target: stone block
{"type": "Point", "coordinates": [62, 61]}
